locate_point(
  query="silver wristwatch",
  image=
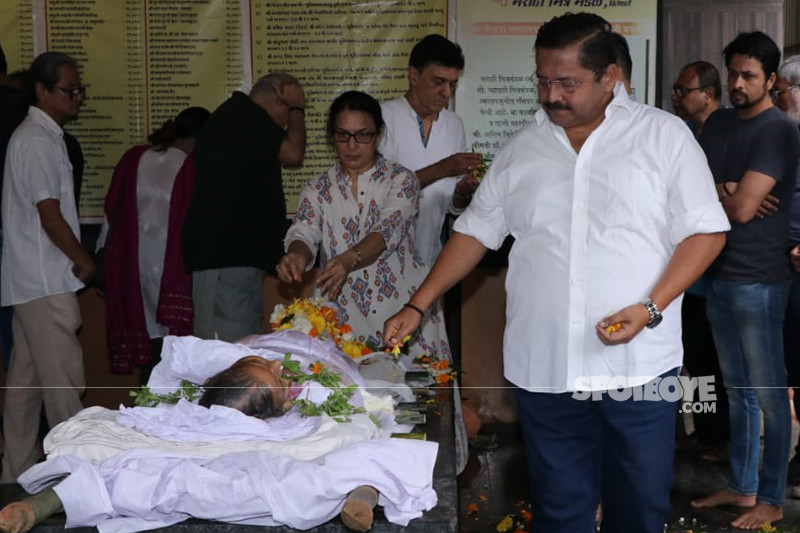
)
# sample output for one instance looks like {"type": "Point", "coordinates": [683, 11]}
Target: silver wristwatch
{"type": "Point", "coordinates": [655, 313]}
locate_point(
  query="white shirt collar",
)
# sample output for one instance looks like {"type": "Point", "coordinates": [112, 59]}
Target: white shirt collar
{"type": "Point", "coordinates": [45, 120]}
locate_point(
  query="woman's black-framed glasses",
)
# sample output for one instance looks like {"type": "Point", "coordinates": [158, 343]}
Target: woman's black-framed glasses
{"type": "Point", "coordinates": [361, 137]}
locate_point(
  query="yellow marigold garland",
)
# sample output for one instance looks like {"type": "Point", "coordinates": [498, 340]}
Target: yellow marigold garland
{"type": "Point", "coordinates": [320, 321]}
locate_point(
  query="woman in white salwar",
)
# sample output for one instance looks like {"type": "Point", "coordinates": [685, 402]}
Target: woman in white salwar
{"type": "Point", "coordinates": [360, 215]}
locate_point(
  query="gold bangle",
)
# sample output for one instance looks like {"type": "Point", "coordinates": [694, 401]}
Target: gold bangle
{"type": "Point", "coordinates": [358, 255]}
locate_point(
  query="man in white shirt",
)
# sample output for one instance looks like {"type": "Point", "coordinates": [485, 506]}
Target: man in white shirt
{"type": "Point", "coordinates": [423, 136]}
{"type": "Point", "coordinates": [43, 264]}
{"type": "Point", "coordinates": [614, 213]}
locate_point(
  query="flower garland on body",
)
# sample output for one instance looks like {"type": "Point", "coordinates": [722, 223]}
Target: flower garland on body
{"type": "Point", "coordinates": [337, 405]}
{"type": "Point", "coordinates": [319, 321]}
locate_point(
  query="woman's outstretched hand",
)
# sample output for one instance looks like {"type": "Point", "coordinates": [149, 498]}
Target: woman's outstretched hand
{"type": "Point", "coordinates": [333, 278]}
{"type": "Point", "coordinates": [291, 267]}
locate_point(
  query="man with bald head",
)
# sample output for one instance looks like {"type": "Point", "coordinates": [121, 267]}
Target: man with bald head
{"type": "Point", "coordinates": [234, 229]}
{"type": "Point", "coordinates": [697, 93]}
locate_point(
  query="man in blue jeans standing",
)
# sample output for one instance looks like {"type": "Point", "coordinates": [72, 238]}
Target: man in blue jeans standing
{"type": "Point", "coordinates": [613, 207]}
{"type": "Point", "coordinates": [753, 152]}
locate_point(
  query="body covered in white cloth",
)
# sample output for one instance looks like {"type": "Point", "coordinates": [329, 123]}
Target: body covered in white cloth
{"type": "Point", "coordinates": [142, 468]}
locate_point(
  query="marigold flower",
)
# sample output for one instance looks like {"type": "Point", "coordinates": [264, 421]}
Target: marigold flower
{"type": "Point", "coordinates": [505, 524]}
{"type": "Point", "coordinates": [443, 379]}
{"type": "Point", "coordinates": [526, 515]}
{"type": "Point", "coordinates": [317, 367]}
{"type": "Point", "coordinates": [472, 507]}
{"type": "Point", "coordinates": [441, 365]}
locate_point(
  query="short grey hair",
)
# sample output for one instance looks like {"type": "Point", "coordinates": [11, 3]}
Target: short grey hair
{"type": "Point", "coordinates": [45, 70]}
{"type": "Point", "coordinates": [272, 82]}
{"type": "Point", "coordinates": [790, 70]}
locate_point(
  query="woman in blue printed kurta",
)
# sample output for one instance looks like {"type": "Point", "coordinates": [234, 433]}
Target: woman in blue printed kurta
{"type": "Point", "coordinates": [360, 214]}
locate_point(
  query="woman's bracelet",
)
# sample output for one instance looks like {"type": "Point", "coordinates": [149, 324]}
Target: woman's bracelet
{"type": "Point", "coordinates": [415, 308]}
{"type": "Point", "coordinates": [358, 256]}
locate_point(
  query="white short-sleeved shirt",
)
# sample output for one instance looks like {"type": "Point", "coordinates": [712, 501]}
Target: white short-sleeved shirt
{"type": "Point", "coordinates": [402, 143]}
{"type": "Point", "coordinates": [594, 232]}
{"type": "Point", "coordinates": [36, 168]}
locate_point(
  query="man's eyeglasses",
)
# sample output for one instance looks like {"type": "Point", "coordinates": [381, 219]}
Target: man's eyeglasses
{"type": "Point", "coordinates": [681, 91]}
{"type": "Point", "coordinates": [73, 92]}
{"type": "Point", "coordinates": [567, 86]}
{"type": "Point", "coordinates": [775, 93]}
{"type": "Point", "coordinates": [361, 137]}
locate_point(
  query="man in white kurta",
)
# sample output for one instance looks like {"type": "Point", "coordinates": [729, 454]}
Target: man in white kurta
{"type": "Point", "coordinates": [614, 213]}
{"type": "Point", "coordinates": [421, 134]}
{"type": "Point", "coordinates": [43, 265]}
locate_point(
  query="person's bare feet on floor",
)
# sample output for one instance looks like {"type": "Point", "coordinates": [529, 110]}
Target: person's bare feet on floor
{"type": "Point", "coordinates": [357, 510]}
{"type": "Point", "coordinates": [763, 514]}
{"type": "Point", "coordinates": [725, 497]}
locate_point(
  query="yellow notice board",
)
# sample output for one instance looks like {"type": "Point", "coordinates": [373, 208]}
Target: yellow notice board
{"type": "Point", "coordinates": [143, 61]}
{"type": "Point", "coordinates": [335, 46]}
{"type": "Point", "coordinates": [16, 33]}
{"type": "Point", "coordinates": [496, 96]}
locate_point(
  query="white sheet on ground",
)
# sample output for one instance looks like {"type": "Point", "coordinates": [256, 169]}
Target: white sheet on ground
{"type": "Point", "coordinates": [146, 489]}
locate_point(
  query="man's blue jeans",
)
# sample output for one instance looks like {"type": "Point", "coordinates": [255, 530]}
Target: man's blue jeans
{"type": "Point", "coordinates": [579, 451]}
{"type": "Point", "coordinates": [747, 323]}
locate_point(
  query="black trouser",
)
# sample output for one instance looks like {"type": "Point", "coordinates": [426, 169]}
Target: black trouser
{"type": "Point", "coordinates": [700, 359]}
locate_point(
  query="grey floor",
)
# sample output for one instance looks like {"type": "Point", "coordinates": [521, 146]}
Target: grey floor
{"type": "Point", "coordinates": [494, 486]}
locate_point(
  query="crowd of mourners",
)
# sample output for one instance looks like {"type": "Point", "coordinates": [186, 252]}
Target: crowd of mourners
{"type": "Point", "coordinates": [687, 226]}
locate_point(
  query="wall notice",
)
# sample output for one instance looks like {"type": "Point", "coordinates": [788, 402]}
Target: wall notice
{"type": "Point", "coordinates": [497, 96]}
{"type": "Point", "coordinates": [143, 61]}
{"type": "Point", "coordinates": [16, 33]}
{"type": "Point", "coordinates": [335, 46]}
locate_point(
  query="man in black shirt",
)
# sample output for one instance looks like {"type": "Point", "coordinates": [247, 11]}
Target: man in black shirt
{"type": "Point", "coordinates": [753, 152]}
{"type": "Point", "coordinates": [236, 221]}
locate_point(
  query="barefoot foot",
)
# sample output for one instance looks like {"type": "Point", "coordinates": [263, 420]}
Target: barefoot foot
{"type": "Point", "coordinates": [725, 497]}
{"type": "Point", "coordinates": [17, 517]}
{"type": "Point", "coordinates": [763, 514]}
{"type": "Point", "coordinates": [357, 510]}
